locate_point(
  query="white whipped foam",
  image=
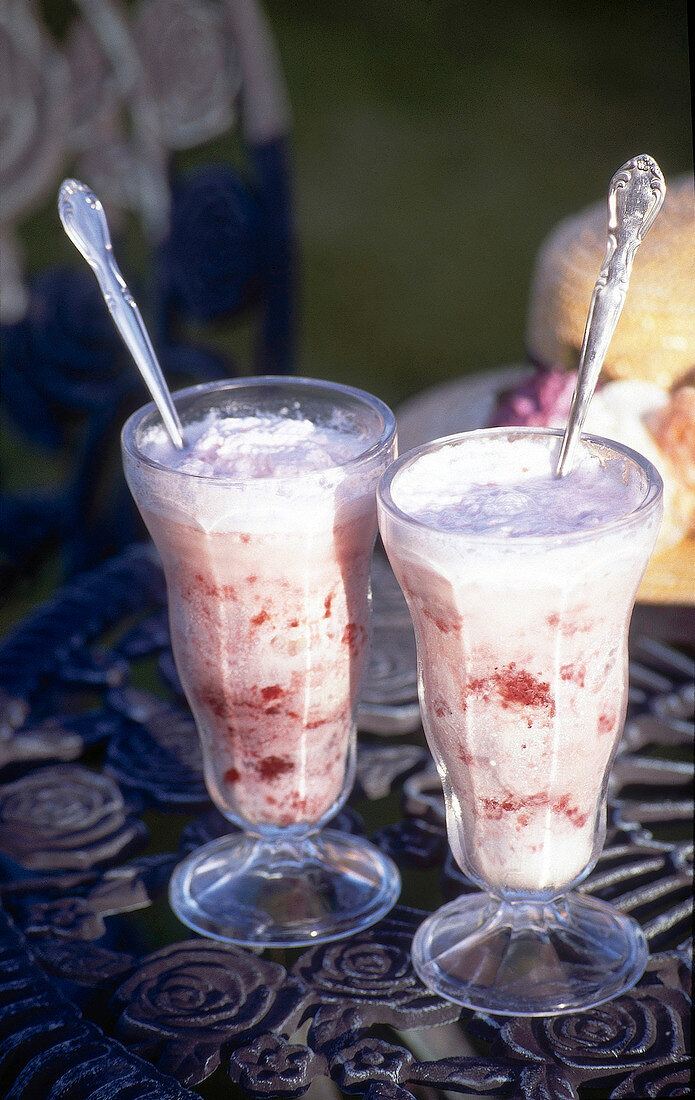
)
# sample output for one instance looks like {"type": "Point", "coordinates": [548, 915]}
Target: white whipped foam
{"type": "Point", "coordinates": [502, 487]}
{"type": "Point", "coordinates": [269, 445]}
{"type": "Point", "coordinates": [258, 473]}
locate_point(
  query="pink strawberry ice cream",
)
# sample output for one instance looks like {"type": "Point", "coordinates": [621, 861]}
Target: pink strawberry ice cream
{"type": "Point", "coordinates": [265, 527]}
{"type": "Point", "coordinates": [520, 586]}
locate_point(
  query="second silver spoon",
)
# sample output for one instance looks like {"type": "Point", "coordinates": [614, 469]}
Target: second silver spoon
{"type": "Point", "coordinates": [635, 196]}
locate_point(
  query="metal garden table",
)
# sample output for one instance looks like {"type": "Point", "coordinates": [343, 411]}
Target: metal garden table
{"type": "Point", "coordinates": [104, 995]}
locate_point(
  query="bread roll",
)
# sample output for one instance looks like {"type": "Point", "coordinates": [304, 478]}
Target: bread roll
{"type": "Point", "coordinates": [654, 339]}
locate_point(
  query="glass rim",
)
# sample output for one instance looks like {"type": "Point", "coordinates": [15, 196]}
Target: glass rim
{"type": "Point", "coordinates": [386, 435]}
{"type": "Point", "coordinates": [650, 501]}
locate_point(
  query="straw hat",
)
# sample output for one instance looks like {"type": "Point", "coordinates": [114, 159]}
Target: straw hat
{"type": "Point", "coordinates": [655, 337]}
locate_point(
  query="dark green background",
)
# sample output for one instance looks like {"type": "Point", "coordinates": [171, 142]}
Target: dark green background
{"type": "Point", "coordinates": [436, 144]}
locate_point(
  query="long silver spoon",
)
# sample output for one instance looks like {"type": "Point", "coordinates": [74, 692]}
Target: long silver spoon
{"type": "Point", "coordinates": [635, 196]}
{"type": "Point", "coordinates": [85, 223]}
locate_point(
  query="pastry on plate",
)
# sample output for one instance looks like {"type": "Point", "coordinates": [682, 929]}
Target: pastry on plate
{"type": "Point", "coordinates": [646, 397]}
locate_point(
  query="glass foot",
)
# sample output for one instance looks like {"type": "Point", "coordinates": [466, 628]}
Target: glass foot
{"type": "Point", "coordinates": [286, 893]}
{"type": "Point", "coordinates": [529, 959]}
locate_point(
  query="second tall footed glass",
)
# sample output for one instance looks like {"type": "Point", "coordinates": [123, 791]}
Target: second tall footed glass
{"type": "Point", "coordinates": [521, 587]}
{"type": "Point", "coordinates": [265, 528]}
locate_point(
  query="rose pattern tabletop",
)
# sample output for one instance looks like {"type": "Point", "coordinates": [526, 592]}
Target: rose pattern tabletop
{"type": "Point", "coordinates": [102, 994]}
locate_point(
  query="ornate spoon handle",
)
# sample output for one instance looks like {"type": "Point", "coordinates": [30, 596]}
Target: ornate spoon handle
{"type": "Point", "coordinates": [85, 223]}
{"type": "Point", "coordinates": [635, 195]}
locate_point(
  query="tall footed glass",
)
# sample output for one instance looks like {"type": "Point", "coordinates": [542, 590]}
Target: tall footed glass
{"type": "Point", "coordinates": [265, 528]}
{"type": "Point", "coordinates": [521, 588]}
